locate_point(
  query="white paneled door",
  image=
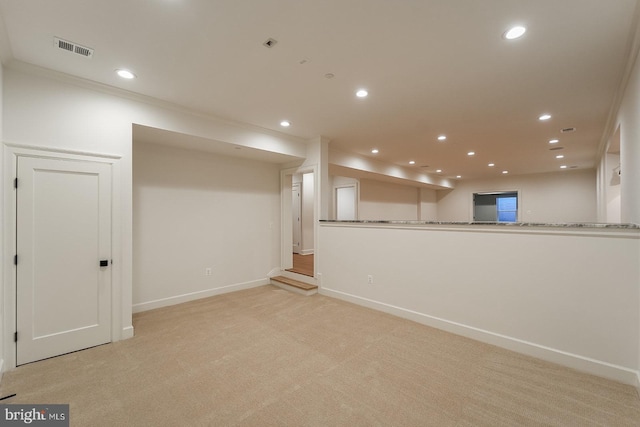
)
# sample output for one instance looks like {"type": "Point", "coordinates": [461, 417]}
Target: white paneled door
{"type": "Point", "coordinates": [63, 236]}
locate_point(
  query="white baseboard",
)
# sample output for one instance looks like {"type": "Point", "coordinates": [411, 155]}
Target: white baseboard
{"type": "Point", "coordinates": [274, 272]}
{"type": "Point", "coordinates": [127, 332]}
{"type": "Point", "coordinates": [306, 252]}
{"type": "Point", "coordinates": [574, 361]}
{"type": "Point", "coordinates": [178, 299]}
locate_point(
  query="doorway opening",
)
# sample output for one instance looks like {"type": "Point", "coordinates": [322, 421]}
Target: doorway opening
{"type": "Point", "coordinates": [302, 264]}
{"type": "Point", "coordinates": [299, 221]}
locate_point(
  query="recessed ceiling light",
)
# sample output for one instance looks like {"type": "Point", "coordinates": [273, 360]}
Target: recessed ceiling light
{"type": "Point", "coordinates": [442, 138]}
{"type": "Point", "coordinates": [412, 162]}
{"type": "Point", "coordinates": [458, 176]}
{"type": "Point", "coordinates": [544, 117]}
{"type": "Point", "coordinates": [471, 153]}
{"type": "Point", "coordinates": [560, 156]}
{"type": "Point", "coordinates": [285, 123]}
{"type": "Point", "coordinates": [438, 170]}
{"type": "Point", "coordinates": [375, 151]}
{"type": "Point", "coordinates": [125, 74]}
{"type": "Point", "coordinates": [554, 141]}
{"type": "Point", "coordinates": [563, 167]}
{"type": "Point", "coordinates": [514, 32]}
{"type": "Point", "coordinates": [329, 76]}
{"type": "Point", "coordinates": [362, 93]}
{"type": "Point", "coordinates": [491, 165]}
{"type": "Point", "coordinates": [505, 172]}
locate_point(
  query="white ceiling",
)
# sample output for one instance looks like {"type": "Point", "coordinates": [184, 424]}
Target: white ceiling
{"type": "Point", "coordinates": [431, 67]}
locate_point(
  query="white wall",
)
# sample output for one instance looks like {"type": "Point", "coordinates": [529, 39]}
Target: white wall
{"type": "Point", "coordinates": [627, 121]}
{"type": "Point", "coordinates": [428, 205]}
{"type": "Point", "coordinates": [352, 162]}
{"type": "Point", "coordinates": [388, 201]}
{"type": "Point", "coordinates": [625, 129]}
{"type": "Point", "coordinates": [194, 211]}
{"type": "Point", "coordinates": [3, 256]}
{"type": "Point", "coordinates": [44, 112]}
{"type": "Point", "coordinates": [567, 196]}
{"type": "Point", "coordinates": [316, 160]}
{"type": "Point", "coordinates": [47, 109]}
{"type": "Point", "coordinates": [565, 295]}
{"type": "Point", "coordinates": [612, 182]}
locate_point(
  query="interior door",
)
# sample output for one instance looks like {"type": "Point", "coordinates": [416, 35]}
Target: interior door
{"type": "Point", "coordinates": [346, 203]}
{"type": "Point", "coordinates": [63, 235]}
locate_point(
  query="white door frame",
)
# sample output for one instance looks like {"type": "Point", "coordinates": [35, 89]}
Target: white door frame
{"type": "Point", "coordinates": [286, 226]}
{"type": "Point", "coordinates": [11, 154]}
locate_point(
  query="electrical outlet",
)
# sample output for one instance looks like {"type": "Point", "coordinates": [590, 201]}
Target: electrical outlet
{"type": "Point", "coordinates": [207, 271]}
{"type": "Point", "coordinates": [370, 279]}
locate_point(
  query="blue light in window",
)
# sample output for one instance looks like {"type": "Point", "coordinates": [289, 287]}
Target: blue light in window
{"type": "Point", "coordinates": [507, 209]}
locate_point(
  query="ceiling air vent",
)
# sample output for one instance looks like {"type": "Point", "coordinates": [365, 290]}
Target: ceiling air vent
{"type": "Point", "coordinates": [270, 43]}
{"type": "Point", "coordinates": [72, 47]}
{"type": "Point", "coordinates": [567, 130]}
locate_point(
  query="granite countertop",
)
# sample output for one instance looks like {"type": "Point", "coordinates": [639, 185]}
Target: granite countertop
{"type": "Point", "coordinates": [501, 224]}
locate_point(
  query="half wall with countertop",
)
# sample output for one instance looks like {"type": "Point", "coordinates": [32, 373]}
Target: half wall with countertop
{"type": "Point", "coordinates": [567, 293]}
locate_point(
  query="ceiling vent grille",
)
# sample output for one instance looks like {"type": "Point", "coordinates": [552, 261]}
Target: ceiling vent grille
{"type": "Point", "coordinates": [269, 43]}
{"type": "Point", "coordinates": [72, 47]}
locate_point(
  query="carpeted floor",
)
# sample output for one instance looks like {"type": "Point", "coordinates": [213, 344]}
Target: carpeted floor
{"type": "Point", "coordinates": [268, 357]}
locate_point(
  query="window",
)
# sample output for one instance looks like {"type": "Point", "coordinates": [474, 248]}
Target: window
{"type": "Point", "coordinates": [507, 207]}
{"type": "Point", "coordinates": [495, 207]}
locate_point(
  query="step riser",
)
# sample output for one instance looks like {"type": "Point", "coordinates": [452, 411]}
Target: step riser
{"type": "Point", "coordinates": [294, 289]}
{"type": "Point", "coordinates": [293, 285]}
{"type": "Point", "coordinates": [298, 277]}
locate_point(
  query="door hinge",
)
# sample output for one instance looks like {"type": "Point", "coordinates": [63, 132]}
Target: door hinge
{"type": "Point", "coordinates": [15, 260]}
{"type": "Point", "coordinates": [15, 183]}
{"type": "Point", "coordinates": [15, 337]}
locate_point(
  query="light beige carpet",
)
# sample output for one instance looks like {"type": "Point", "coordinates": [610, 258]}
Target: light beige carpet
{"type": "Point", "coordinates": [268, 357]}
